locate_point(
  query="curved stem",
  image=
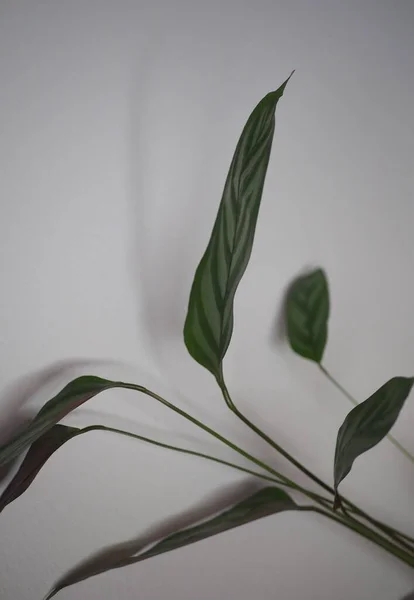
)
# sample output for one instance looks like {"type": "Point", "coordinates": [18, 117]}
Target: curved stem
{"type": "Point", "coordinates": [389, 531]}
{"type": "Point", "coordinates": [269, 440]}
{"type": "Point", "coordinates": [281, 478]}
{"type": "Point", "coordinates": [355, 403]}
{"type": "Point", "coordinates": [179, 449]}
{"type": "Point", "coordinates": [355, 525]}
{"type": "Point", "coordinates": [312, 495]}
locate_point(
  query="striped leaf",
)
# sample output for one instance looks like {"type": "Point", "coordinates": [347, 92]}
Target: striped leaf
{"type": "Point", "coordinates": [368, 423]}
{"type": "Point", "coordinates": [307, 313]}
{"type": "Point", "coordinates": [209, 323]}
{"type": "Point", "coordinates": [74, 394]}
{"type": "Point", "coordinates": [38, 454]}
{"type": "Point", "coordinates": [267, 501]}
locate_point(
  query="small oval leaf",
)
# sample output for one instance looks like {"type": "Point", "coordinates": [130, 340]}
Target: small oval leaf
{"type": "Point", "coordinates": [38, 454]}
{"type": "Point", "coordinates": [368, 423]}
{"type": "Point", "coordinates": [307, 314]}
{"type": "Point", "coordinates": [268, 501]}
{"type": "Point", "coordinates": [209, 322]}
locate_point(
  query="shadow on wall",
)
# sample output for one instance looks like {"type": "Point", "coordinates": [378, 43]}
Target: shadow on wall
{"type": "Point", "coordinates": [14, 415]}
{"type": "Point", "coordinates": [17, 394]}
{"type": "Point", "coordinates": [172, 164]}
{"type": "Point", "coordinates": [119, 555]}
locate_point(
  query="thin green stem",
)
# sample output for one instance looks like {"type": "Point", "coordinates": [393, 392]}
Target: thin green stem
{"type": "Point", "coordinates": [366, 533]}
{"type": "Point", "coordinates": [355, 403]}
{"type": "Point", "coordinates": [355, 525]}
{"type": "Point", "coordinates": [179, 449]}
{"type": "Point", "coordinates": [269, 440]}
{"type": "Point", "coordinates": [398, 536]}
{"type": "Point", "coordinates": [337, 385]}
{"type": "Point", "coordinates": [315, 497]}
{"type": "Point", "coordinates": [281, 478]}
{"type": "Point", "coordinates": [393, 534]}
{"type": "Point", "coordinates": [405, 536]}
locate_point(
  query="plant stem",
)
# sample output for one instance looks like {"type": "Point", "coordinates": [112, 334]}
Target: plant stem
{"type": "Point", "coordinates": [315, 497]}
{"type": "Point", "coordinates": [355, 403]}
{"type": "Point", "coordinates": [389, 531]}
{"type": "Point", "coordinates": [269, 440]}
{"type": "Point", "coordinates": [399, 536]}
{"type": "Point", "coordinates": [281, 478]}
{"type": "Point", "coordinates": [348, 522]}
{"type": "Point", "coordinates": [366, 533]}
{"type": "Point", "coordinates": [179, 449]}
{"type": "Point", "coordinates": [392, 533]}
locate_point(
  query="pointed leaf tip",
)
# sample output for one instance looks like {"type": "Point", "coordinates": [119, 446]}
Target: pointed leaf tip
{"type": "Point", "coordinates": [368, 423]}
{"type": "Point", "coordinates": [209, 323]}
{"type": "Point", "coordinates": [267, 501]}
{"type": "Point", "coordinates": [39, 453]}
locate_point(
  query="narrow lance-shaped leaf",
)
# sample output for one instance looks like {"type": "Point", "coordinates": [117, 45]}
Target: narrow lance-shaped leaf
{"type": "Point", "coordinates": [38, 454]}
{"type": "Point", "coordinates": [209, 323]}
{"type": "Point", "coordinates": [268, 501]}
{"type": "Point", "coordinates": [307, 314]}
{"type": "Point", "coordinates": [368, 423]}
{"type": "Point", "coordinates": [73, 395]}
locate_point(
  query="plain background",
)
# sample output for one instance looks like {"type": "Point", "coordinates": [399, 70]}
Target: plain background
{"type": "Point", "coordinates": [118, 121]}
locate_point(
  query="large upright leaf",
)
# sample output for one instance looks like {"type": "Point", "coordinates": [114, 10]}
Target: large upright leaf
{"type": "Point", "coordinates": [73, 395]}
{"type": "Point", "coordinates": [209, 323]}
{"type": "Point", "coordinates": [368, 423]}
{"type": "Point", "coordinates": [268, 501]}
{"type": "Point", "coordinates": [39, 452]}
{"type": "Point", "coordinates": [307, 313]}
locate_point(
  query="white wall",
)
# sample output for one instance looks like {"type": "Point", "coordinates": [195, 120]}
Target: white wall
{"type": "Point", "coordinates": [118, 121]}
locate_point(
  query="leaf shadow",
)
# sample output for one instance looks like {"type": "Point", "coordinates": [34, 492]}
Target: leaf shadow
{"type": "Point", "coordinates": [160, 260]}
{"type": "Point", "coordinates": [14, 416]}
{"type": "Point", "coordinates": [278, 333]}
{"type": "Point", "coordinates": [114, 555]}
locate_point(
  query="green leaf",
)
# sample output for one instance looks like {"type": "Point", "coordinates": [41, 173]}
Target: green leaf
{"type": "Point", "coordinates": [74, 394]}
{"type": "Point", "coordinates": [209, 323]}
{"type": "Point", "coordinates": [307, 313]}
{"type": "Point", "coordinates": [39, 452]}
{"type": "Point", "coordinates": [368, 423]}
{"type": "Point", "coordinates": [268, 501]}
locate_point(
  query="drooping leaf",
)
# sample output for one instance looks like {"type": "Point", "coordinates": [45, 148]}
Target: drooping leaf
{"type": "Point", "coordinates": [39, 452]}
{"type": "Point", "coordinates": [268, 501]}
{"type": "Point", "coordinates": [73, 395]}
{"type": "Point", "coordinates": [209, 323]}
{"type": "Point", "coordinates": [307, 314]}
{"type": "Point", "coordinates": [368, 423]}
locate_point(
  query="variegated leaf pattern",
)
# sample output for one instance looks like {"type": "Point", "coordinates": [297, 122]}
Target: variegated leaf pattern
{"type": "Point", "coordinates": [39, 453]}
{"type": "Point", "coordinates": [74, 394]}
{"type": "Point", "coordinates": [368, 423]}
{"type": "Point", "coordinates": [307, 314]}
{"type": "Point", "coordinates": [209, 323]}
